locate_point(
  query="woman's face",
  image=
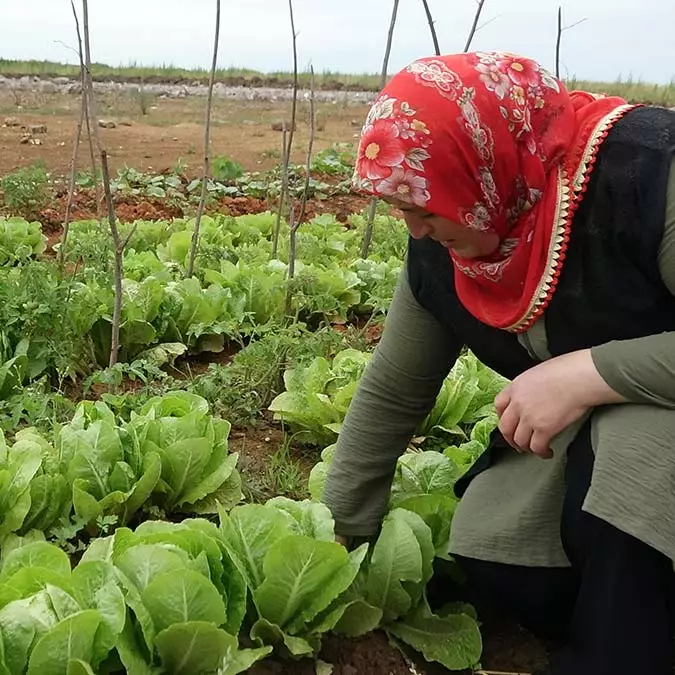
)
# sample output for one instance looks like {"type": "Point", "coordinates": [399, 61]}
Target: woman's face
{"type": "Point", "coordinates": [463, 241]}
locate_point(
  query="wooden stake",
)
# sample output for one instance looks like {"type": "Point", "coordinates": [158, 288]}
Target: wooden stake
{"type": "Point", "coordinates": [432, 27]}
{"type": "Point", "coordinates": [474, 26]}
{"type": "Point", "coordinates": [368, 235]}
{"type": "Point", "coordinates": [91, 103]}
{"type": "Point", "coordinates": [287, 147]}
{"type": "Point", "coordinates": [117, 310]}
{"type": "Point", "coordinates": [291, 259]}
{"type": "Point", "coordinates": [120, 246]}
{"type": "Point", "coordinates": [282, 193]}
{"type": "Point", "coordinates": [194, 245]}
{"type": "Point", "coordinates": [312, 128]}
{"type": "Point", "coordinates": [294, 108]}
{"type": "Point", "coordinates": [76, 150]}
{"type": "Point", "coordinates": [558, 42]}
{"type": "Point", "coordinates": [88, 98]}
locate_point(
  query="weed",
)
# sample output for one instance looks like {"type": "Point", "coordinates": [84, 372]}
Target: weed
{"type": "Point", "coordinates": [35, 406]}
{"type": "Point", "coordinates": [180, 167]}
{"type": "Point", "coordinates": [283, 473]}
{"type": "Point", "coordinates": [142, 99]}
{"type": "Point", "coordinates": [271, 153]}
{"type": "Point", "coordinates": [242, 390]}
{"type": "Point", "coordinates": [25, 190]}
{"type": "Point", "coordinates": [39, 306]}
{"type": "Point", "coordinates": [225, 170]}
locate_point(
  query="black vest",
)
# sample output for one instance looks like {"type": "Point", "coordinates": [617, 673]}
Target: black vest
{"type": "Point", "coordinates": [609, 288]}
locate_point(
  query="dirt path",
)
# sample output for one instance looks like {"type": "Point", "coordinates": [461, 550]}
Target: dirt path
{"type": "Point", "coordinates": [170, 132]}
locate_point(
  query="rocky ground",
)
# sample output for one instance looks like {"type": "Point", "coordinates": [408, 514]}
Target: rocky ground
{"type": "Point", "coordinates": [64, 85]}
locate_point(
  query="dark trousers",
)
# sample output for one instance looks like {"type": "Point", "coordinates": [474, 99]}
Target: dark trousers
{"type": "Point", "coordinates": [613, 610]}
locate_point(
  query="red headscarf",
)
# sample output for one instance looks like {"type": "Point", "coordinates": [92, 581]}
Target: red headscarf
{"type": "Point", "coordinates": [493, 142]}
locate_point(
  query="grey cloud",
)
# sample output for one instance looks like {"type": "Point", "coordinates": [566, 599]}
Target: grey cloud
{"type": "Point", "coordinates": [621, 38]}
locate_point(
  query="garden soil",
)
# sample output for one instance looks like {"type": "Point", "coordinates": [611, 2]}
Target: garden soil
{"type": "Point", "coordinates": [171, 130]}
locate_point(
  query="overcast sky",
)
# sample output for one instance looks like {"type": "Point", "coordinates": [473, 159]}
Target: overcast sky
{"type": "Point", "coordinates": [621, 38]}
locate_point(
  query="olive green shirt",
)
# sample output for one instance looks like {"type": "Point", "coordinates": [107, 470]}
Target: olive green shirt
{"type": "Point", "coordinates": [511, 512]}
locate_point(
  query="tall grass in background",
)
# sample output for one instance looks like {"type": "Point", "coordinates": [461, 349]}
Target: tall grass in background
{"type": "Point", "coordinates": [634, 90]}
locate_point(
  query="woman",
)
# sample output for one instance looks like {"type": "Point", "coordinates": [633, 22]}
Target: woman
{"type": "Point", "coordinates": [542, 228]}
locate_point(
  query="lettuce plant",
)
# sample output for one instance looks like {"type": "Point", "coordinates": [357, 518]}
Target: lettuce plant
{"type": "Point", "coordinates": [193, 597]}
{"type": "Point", "coordinates": [466, 397]}
{"type": "Point", "coordinates": [389, 594]}
{"type": "Point", "coordinates": [162, 599]}
{"type": "Point", "coordinates": [293, 569]}
{"type": "Point", "coordinates": [50, 498]}
{"type": "Point", "coordinates": [318, 396]}
{"type": "Point", "coordinates": [20, 240]}
{"type": "Point", "coordinates": [423, 483]}
{"type": "Point", "coordinates": [186, 599]}
{"type": "Point", "coordinates": [172, 454]}
{"type": "Point", "coordinates": [262, 287]}
{"type": "Point", "coordinates": [108, 474]}
{"type": "Point", "coordinates": [54, 621]}
{"type": "Point", "coordinates": [198, 474]}
{"type": "Point", "coordinates": [18, 466]}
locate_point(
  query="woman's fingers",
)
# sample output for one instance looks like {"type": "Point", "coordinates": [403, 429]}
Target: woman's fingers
{"type": "Point", "coordinates": [522, 437]}
{"type": "Point", "coordinates": [508, 424]}
{"type": "Point", "coordinates": [540, 445]}
{"type": "Point", "coordinates": [502, 400]}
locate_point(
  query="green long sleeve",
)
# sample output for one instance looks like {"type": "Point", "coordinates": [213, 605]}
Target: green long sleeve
{"type": "Point", "coordinates": [643, 370]}
{"type": "Point", "coordinates": [397, 390]}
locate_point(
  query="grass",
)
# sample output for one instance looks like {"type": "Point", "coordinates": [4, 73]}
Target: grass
{"type": "Point", "coordinates": [635, 91]}
{"type": "Point", "coordinates": [283, 473]}
{"type": "Point", "coordinates": [169, 73]}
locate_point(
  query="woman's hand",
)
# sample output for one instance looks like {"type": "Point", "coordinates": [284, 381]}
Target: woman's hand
{"type": "Point", "coordinates": [541, 402]}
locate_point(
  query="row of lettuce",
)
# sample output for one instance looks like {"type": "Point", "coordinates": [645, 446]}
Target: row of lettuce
{"type": "Point", "coordinates": [206, 583]}
{"type": "Point", "coordinates": [318, 394]}
{"type": "Point", "coordinates": [170, 457]}
{"type": "Point", "coordinates": [199, 598]}
{"type": "Point", "coordinates": [62, 323]}
{"type": "Point", "coordinates": [193, 596]}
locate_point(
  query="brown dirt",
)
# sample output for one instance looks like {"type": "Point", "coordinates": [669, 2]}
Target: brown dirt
{"type": "Point", "coordinates": [372, 333]}
{"type": "Point", "coordinates": [506, 646]}
{"type": "Point", "coordinates": [129, 208]}
{"type": "Point", "coordinates": [170, 133]}
{"type": "Point", "coordinates": [340, 205]}
{"type": "Point", "coordinates": [509, 648]}
{"type": "Point", "coordinates": [172, 130]}
{"type": "Point", "coordinates": [256, 447]}
{"type": "Point", "coordinates": [510, 651]}
{"type": "Point", "coordinates": [197, 364]}
{"type": "Point", "coordinates": [370, 655]}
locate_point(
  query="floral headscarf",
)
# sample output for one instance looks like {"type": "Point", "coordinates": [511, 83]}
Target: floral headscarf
{"type": "Point", "coordinates": [494, 142]}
